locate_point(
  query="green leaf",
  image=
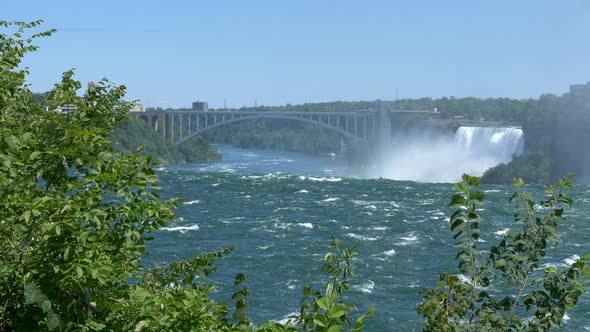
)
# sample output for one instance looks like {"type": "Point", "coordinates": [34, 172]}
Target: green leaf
{"type": "Point", "coordinates": [34, 155]}
{"type": "Point", "coordinates": [518, 182]}
{"type": "Point", "coordinates": [472, 181]}
{"type": "Point", "coordinates": [26, 216]}
{"type": "Point", "coordinates": [79, 272]}
{"type": "Point", "coordinates": [457, 201]}
{"type": "Point", "coordinates": [323, 303]}
{"type": "Point", "coordinates": [52, 320]}
{"type": "Point", "coordinates": [33, 294]}
{"type": "Point", "coordinates": [457, 224]}
{"type": "Point", "coordinates": [477, 197]}
{"type": "Point", "coordinates": [318, 322]}
{"type": "Point", "coordinates": [240, 278]}
{"type": "Point", "coordinates": [336, 312]}
{"type": "Point", "coordinates": [499, 263]}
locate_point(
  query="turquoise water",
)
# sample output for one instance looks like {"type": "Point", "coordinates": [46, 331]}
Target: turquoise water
{"type": "Point", "coordinates": [279, 211]}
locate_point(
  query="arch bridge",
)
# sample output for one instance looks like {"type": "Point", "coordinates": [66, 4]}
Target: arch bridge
{"type": "Point", "coordinates": [179, 126]}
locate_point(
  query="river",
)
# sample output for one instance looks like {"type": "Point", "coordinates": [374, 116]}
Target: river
{"type": "Point", "coordinates": [279, 211]}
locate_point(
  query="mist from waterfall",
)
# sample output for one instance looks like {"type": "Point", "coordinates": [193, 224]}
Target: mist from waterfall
{"type": "Point", "coordinates": [426, 157]}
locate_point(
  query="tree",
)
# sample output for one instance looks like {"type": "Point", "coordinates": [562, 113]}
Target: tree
{"type": "Point", "coordinates": [75, 213]}
{"type": "Point", "coordinates": [538, 301]}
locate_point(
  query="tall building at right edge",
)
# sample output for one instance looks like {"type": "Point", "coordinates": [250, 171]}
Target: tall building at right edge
{"type": "Point", "coordinates": [580, 90]}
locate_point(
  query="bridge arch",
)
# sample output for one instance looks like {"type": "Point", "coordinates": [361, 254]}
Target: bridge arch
{"type": "Point", "coordinates": [267, 117]}
{"type": "Point", "coordinates": [150, 119]}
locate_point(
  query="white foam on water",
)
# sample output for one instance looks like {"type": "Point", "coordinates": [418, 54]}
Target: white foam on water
{"type": "Point", "coordinates": [362, 237]}
{"type": "Point", "coordinates": [322, 179]}
{"type": "Point", "coordinates": [292, 283]}
{"type": "Point", "coordinates": [331, 199]}
{"type": "Point", "coordinates": [283, 320]}
{"type": "Point", "coordinates": [249, 154]}
{"type": "Point", "coordinates": [428, 201]}
{"type": "Point", "coordinates": [502, 232]}
{"type": "Point", "coordinates": [182, 229]}
{"type": "Point", "coordinates": [302, 191]}
{"type": "Point", "coordinates": [196, 201]}
{"type": "Point", "coordinates": [409, 239]}
{"type": "Point", "coordinates": [281, 225]}
{"type": "Point", "coordinates": [571, 260]}
{"type": "Point", "coordinates": [289, 208]}
{"type": "Point", "coordinates": [306, 224]}
{"type": "Point", "coordinates": [548, 265]}
{"type": "Point", "coordinates": [379, 228]}
{"type": "Point", "coordinates": [465, 279]}
{"type": "Point", "coordinates": [389, 252]}
{"type": "Point", "coordinates": [365, 287]}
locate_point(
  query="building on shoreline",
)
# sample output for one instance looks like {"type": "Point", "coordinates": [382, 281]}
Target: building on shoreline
{"type": "Point", "coordinates": [200, 106]}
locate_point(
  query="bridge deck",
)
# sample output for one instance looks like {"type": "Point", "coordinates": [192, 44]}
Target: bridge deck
{"type": "Point", "coordinates": [359, 112]}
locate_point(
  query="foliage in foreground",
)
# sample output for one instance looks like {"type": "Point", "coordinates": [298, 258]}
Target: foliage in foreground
{"type": "Point", "coordinates": [536, 298]}
{"type": "Point", "coordinates": [75, 215]}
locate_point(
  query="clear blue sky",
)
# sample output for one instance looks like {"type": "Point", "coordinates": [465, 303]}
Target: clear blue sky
{"type": "Point", "coordinates": [170, 53]}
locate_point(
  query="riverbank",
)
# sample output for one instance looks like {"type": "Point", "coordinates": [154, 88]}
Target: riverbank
{"type": "Point", "coordinates": [135, 133]}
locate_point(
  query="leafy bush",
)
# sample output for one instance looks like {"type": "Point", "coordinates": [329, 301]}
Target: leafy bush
{"type": "Point", "coordinates": [535, 300]}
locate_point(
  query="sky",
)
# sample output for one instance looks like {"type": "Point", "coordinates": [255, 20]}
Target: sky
{"type": "Point", "coordinates": [171, 53]}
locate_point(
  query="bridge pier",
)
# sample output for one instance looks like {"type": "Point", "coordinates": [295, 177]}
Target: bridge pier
{"type": "Point", "coordinates": [383, 135]}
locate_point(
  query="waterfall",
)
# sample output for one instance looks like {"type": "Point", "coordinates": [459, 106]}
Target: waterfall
{"type": "Point", "coordinates": [496, 143]}
{"type": "Point", "coordinates": [473, 150]}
